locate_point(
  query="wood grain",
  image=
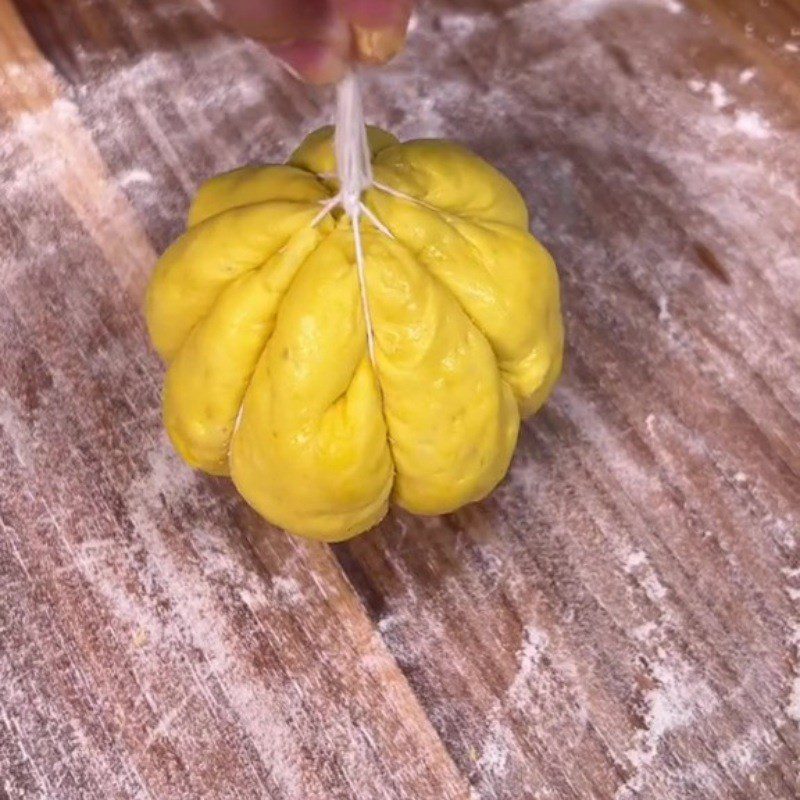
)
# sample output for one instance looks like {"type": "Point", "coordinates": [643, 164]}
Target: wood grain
{"type": "Point", "coordinates": [620, 620]}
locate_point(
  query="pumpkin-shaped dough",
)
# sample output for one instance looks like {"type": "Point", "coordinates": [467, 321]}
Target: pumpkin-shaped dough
{"type": "Point", "coordinates": [257, 312]}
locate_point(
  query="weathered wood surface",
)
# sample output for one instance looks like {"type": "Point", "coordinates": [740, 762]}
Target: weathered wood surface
{"type": "Point", "coordinates": [620, 620]}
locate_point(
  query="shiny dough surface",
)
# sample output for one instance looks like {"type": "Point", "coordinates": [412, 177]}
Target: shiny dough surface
{"type": "Point", "coordinates": [257, 313]}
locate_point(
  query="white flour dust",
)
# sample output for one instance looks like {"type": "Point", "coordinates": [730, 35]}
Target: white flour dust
{"type": "Point", "coordinates": [680, 698]}
{"type": "Point", "coordinates": [752, 124]}
{"type": "Point", "coordinates": [495, 751]}
{"type": "Point", "coordinates": [583, 10]}
{"type": "Point", "coordinates": [792, 589]}
{"type": "Point", "coordinates": [197, 625]}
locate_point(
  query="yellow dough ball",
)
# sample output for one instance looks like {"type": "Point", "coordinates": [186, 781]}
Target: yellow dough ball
{"type": "Point", "coordinates": [257, 311]}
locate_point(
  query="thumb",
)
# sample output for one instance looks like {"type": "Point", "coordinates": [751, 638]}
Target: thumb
{"type": "Point", "coordinates": [376, 13]}
{"type": "Point", "coordinates": [310, 38]}
{"type": "Point", "coordinates": [379, 27]}
{"type": "Point", "coordinates": [276, 20]}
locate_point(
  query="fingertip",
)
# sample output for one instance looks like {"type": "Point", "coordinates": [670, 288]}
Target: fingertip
{"type": "Point", "coordinates": [376, 46]}
{"type": "Point", "coordinates": [318, 63]}
{"type": "Point", "coordinates": [278, 20]}
{"type": "Point", "coordinates": [376, 14]}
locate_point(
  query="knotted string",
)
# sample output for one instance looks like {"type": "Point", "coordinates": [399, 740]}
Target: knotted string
{"type": "Point", "coordinates": [354, 173]}
{"type": "Point", "coordinates": [354, 170]}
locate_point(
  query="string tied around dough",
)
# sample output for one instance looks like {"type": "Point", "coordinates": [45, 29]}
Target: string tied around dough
{"type": "Point", "coordinates": [354, 170]}
{"type": "Point", "coordinates": [350, 144]}
{"type": "Point", "coordinates": [354, 173]}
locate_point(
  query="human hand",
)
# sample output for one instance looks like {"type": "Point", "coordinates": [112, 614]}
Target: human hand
{"type": "Point", "coordinates": [318, 40]}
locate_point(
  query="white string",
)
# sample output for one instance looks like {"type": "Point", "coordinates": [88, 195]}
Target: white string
{"type": "Point", "coordinates": [370, 215]}
{"type": "Point", "coordinates": [350, 144]}
{"type": "Point", "coordinates": [327, 207]}
{"type": "Point", "coordinates": [403, 196]}
{"type": "Point", "coordinates": [354, 170]}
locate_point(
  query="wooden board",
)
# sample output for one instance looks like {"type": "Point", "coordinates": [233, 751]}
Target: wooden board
{"type": "Point", "coordinates": [620, 620]}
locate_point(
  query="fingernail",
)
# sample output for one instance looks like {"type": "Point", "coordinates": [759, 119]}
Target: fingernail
{"type": "Point", "coordinates": [377, 46]}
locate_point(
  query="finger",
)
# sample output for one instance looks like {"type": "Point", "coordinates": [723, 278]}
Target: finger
{"type": "Point", "coordinates": [278, 20]}
{"type": "Point", "coordinates": [375, 14]}
{"type": "Point", "coordinates": [316, 62]}
{"type": "Point", "coordinates": [378, 26]}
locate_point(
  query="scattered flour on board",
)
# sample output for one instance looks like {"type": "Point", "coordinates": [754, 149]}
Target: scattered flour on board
{"type": "Point", "coordinates": [752, 124]}
{"type": "Point", "coordinates": [33, 129]}
{"type": "Point", "coordinates": [793, 706]}
{"type": "Point", "coordinates": [747, 753]}
{"type": "Point", "coordinates": [22, 439]}
{"type": "Point", "coordinates": [747, 75]}
{"type": "Point", "coordinates": [547, 690]}
{"type": "Point", "coordinates": [459, 25]}
{"type": "Point", "coordinates": [663, 309]}
{"type": "Point", "coordinates": [101, 98]}
{"type": "Point", "coordinates": [719, 95]}
{"type": "Point", "coordinates": [680, 697]}
{"type": "Point", "coordinates": [793, 701]}
{"type": "Point", "coordinates": [528, 659]}
{"type": "Point", "coordinates": [166, 572]}
{"type": "Point", "coordinates": [734, 167]}
{"type": "Point", "coordinates": [636, 558]}
{"type": "Point", "coordinates": [638, 564]}
{"type": "Point", "coordinates": [288, 587]}
{"type": "Point", "coordinates": [494, 752]}
{"type": "Point", "coordinates": [581, 10]}
{"type": "Point", "coordinates": [134, 176]}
